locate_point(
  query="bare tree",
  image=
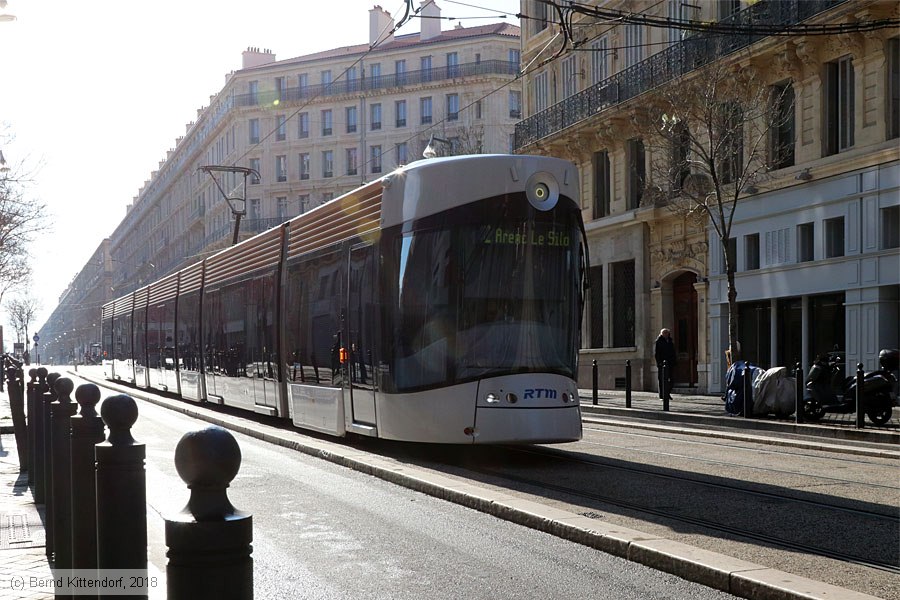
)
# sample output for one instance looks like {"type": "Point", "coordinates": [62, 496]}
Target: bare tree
{"type": "Point", "coordinates": [713, 136]}
{"type": "Point", "coordinates": [22, 311]}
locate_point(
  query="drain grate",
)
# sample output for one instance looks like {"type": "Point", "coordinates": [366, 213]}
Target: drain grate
{"type": "Point", "coordinates": [14, 529]}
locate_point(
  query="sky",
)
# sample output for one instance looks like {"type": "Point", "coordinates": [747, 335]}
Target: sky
{"type": "Point", "coordinates": [93, 94]}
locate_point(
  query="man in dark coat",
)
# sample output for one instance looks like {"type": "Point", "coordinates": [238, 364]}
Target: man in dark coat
{"type": "Point", "coordinates": [664, 350]}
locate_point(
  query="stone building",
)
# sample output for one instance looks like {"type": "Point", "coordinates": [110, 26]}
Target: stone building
{"type": "Point", "coordinates": [816, 238]}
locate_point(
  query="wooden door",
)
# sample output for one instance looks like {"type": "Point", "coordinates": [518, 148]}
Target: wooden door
{"type": "Point", "coordinates": [684, 329]}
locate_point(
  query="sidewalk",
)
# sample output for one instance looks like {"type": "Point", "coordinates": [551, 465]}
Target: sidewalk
{"type": "Point", "coordinates": [22, 541]}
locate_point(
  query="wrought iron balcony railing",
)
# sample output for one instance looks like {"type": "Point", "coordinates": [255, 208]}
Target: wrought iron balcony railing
{"type": "Point", "coordinates": [680, 58]}
{"type": "Point", "coordinates": [381, 82]}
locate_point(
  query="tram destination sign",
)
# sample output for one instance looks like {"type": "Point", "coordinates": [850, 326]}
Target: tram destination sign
{"type": "Point", "coordinates": [515, 237]}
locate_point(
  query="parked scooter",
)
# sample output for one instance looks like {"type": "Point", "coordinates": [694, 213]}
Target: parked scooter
{"type": "Point", "coordinates": [829, 391]}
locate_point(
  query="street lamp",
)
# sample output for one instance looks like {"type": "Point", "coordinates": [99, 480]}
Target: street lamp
{"type": "Point", "coordinates": [429, 151]}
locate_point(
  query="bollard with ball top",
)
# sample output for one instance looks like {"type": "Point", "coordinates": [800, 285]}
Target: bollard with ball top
{"type": "Point", "coordinates": [40, 444]}
{"type": "Point", "coordinates": [47, 399]}
{"type": "Point", "coordinates": [87, 432]}
{"type": "Point", "coordinates": [209, 541]}
{"type": "Point", "coordinates": [121, 490]}
{"type": "Point", "coordinates": [61, 413]}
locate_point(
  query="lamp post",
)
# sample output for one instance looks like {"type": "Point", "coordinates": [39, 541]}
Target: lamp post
{"type": "Point", "coordinates": [429, 151]}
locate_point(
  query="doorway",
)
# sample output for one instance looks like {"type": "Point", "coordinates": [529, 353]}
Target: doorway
{"type": "Point", "coordinates": [684, 329]}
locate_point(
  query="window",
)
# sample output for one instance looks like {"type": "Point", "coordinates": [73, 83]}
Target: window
{"type": "Point", "coordinates": [325, 77]}
{"type": "Point", "coordinates": [634, 44]}
{"type": "Point", "coordinates": [623, 303]}
{"type": "Point", "coordinates": [254, 177]}
{"type": "Point", "coordinates": [303, 201]}
{"type": "Point", "coordinates": [351, 161]}
{"type": "Point", "coordinates": [728, 8]}
{"type": "Point", "coordinates": [478, 108]}
{"type": "Point", "coordinates": [805, 242]}
{"type": "Point", "coordinates": [303, 125]}
{"type": "Point", "coordinates": [781, 128]}
{"type": "Point", "coordinates": [351, 119]}
{"type": "Point", "coordinates": [352, 78]}
{"type": "Point", "coordinates": [601, 185]}
{"type": "Point", "coordinates": [400, 112]}
{"type": "Point", "coordinates": [539, 20]}
{"type": "Point", "coordinates": [751, 252]}
{"type": "Point", "coordinates": [515, 105]}
{"type": "Point", "coordinates": [452, 107]}
{"type": "Point", "coordinates": [599, 64]}
{"type": "Point", "coordinates": [304, 165]}
{"type": "Point", "coordinates": [839, 105]}
{"type": "Point", "coordinates": [513, 55]}
{"type": "Point", "coordinates": [637, 172]}
{"type": "Point", "coordinates": [596, 314]}
{"type": "Point", "coordinates": [680, 168]}
{"type": "Point", "coordinates": [280, 128]}
{"type": "Point", "coordinates": [778, 247]}
{"type": "Point", "coordinates": [281, 167]}
{"type": "Point", "coordinates": [834, 237]}
{"type": "Point", "coordinates": [890, 227]}
{"type": "Point", "coordinates": [253, 91]}
{"type": "Point", "coordinates": [541, 92]}
{"type": "Point", "coordinates": [280, 88]}
{"type": "Point", "coordinates": [452, 64]}
{"type": "Point", "coordinates": [326, 122]}
{"type": "Point", "coordinates": [675, 9]}
{"type": "Point", "coordinates": [402, 154]}
{"type": "Point", "coordinates": [375, 74]}
{"type": "Point", "coordinates": [375, 117]}
{"type": "Point", "coordinates": [254, 131]}
{"type": "Point", "coordinates": [326, 196]}
{"type": "Point", "coordinates": [569, 76]}
{"type": "Point", "coordinates": [425, 110]}
{"type": "Point", "coordinates": [400, 70]}
{"type": "Point", "coordinates": [253, 209]}
{"type": "Point", "coordinates": [375, 159]}
{"type": "Point", "coordinates": [302, 80]}
{"type": "Point", "coordinates": [281, 207]}
{"type": "Point", "coordinates": [425, 66]}
{"type": "Point", "coordinates": [893, 87]}
{"type": "Point", "coordinates": [327, 163]}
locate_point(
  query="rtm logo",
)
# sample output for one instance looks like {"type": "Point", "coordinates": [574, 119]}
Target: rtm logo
{"type": "Point", "coordinates": [538, 393]}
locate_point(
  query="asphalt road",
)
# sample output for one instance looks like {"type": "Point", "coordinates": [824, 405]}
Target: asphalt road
{"type": "Point", "coordinates": [323, 531]}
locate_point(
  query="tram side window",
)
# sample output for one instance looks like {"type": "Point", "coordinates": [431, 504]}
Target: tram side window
{"type": "Point", "coordinates": [140, 337]}
{"type": "Point", "coordinates": [107, 338]}
{"type": "Point", "coordinates": [425, 317]}
{"type": "Point", "coordinates": [188, 331]}
{"type": "Point", "coordinates": [312, 321]}
{"type": "Point", "coordinates": [214, 333]}
{"type": "Point", "coordinates": [260, 330]}
{"type": "Point", "coordinates": [122, 327]}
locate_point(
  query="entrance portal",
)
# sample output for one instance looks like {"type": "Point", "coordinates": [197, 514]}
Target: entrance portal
{"type": "Point", "coordinates": [684, 329]}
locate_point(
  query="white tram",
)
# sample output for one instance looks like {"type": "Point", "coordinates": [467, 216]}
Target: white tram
{"type": "Point", "coordinates": [441, 303]}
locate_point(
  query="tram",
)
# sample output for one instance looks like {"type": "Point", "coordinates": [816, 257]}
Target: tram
{"type": "Point", "coordinates": [441, 303]}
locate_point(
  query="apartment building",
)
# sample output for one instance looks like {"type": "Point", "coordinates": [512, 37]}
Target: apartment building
{"type": "Point", "coordinates": [816, 238]}
{"type": "Point", "coordinates": [314, 127]}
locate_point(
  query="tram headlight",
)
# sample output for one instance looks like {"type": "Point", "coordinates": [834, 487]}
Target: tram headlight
{"type": "Point", "coordinates": [512, 398]}
{"type": "Point", "coordinates": [492, 398]}
{"type": "Point", "coordinates": [542, 190]}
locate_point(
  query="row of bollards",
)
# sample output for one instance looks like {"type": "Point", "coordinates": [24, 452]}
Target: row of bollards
{"type": "Point", "coordinates": [93, 488]}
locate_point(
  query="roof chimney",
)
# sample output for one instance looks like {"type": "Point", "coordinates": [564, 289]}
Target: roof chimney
{"type": "Point", "coordinates": [254, 57]}
{"type": "Point", "coordinates": [430, 19]}
{"type": "Point", "coordinates": [380, 25]}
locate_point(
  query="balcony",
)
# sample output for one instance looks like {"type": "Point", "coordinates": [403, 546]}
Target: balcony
{"type": "Point", "coordinates": [678, 59]}
{"type": "Point", "coordinates": [382, 82]}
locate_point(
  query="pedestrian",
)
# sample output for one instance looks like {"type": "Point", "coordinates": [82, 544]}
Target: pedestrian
{"type": "Point", "coordinates": [664, 352]}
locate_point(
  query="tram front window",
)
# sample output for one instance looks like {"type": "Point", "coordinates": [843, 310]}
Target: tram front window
{"type": "Point", "coordinates": [494, 295]}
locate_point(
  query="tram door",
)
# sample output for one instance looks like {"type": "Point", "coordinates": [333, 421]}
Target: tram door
{"type": "Point", "coordinates": [359, 339]}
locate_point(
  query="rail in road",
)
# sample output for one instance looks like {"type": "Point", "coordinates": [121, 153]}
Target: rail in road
{"type": "Point", "coordinates": [667, 524]}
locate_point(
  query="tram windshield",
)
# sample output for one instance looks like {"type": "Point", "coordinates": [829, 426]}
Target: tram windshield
{"type": "Point", "coordinates": [493, 289]}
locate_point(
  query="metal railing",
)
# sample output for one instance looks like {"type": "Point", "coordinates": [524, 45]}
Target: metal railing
{"type": "Point", "coordinates": [680, 58]}
{"type": "Point", "coordinates": [381, 82]}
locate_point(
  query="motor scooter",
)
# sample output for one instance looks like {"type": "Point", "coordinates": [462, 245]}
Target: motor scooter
{"type": "Point", "coordinates": [829, 391]}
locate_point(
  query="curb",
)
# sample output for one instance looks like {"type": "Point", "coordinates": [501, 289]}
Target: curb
{"type": "Point", "coordinates": [711, 569]}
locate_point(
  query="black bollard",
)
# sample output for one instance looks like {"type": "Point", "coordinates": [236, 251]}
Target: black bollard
{"type": "Point", "coordinates": [87, 431]}
{"type": "Point", "coordinates": [209, 541]}
{"type": "Point", "coordinates": [40, 443]}
{"type": "Point", "coordinates": [627, 384]}
{"type": "Point", "coordinates": [48, 399]}
{"type": "Point", "coordinates": [798, 406]}
{"type": "Point", "coordinates": [121, 490]}
{"type": "Point", "coordinates": [32, 427]}
{"type": "Point", "coordinates": [17, 409]}
{"type": "Point", "coordinates": [595, 376]}
{"type": "Point", "coordinates": [860, 408]}
{"type": "Point", "coordinates": [748, 391]}
{"type": "Point", "coordinates": [61, 413]}
{"type": "Point", "coordinates": [665, 385]}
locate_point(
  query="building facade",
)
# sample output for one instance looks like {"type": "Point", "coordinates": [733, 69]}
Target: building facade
{"type": "Point", "coordinates": [816, 240]}
{"type": "Point", "coordinates": [312, 128]}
